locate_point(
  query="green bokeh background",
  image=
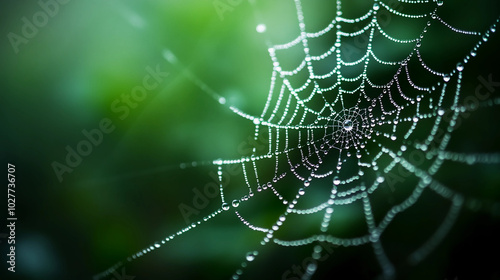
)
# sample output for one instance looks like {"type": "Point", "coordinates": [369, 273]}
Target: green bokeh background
{"type": "Point", "coordinates": [125, 195]}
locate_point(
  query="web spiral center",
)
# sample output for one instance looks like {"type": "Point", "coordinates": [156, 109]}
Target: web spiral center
{"type": "Point", "coordinates": [350, 128]}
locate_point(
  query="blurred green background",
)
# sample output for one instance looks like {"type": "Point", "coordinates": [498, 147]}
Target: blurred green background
{"type": "Point", "coordinates": [126, 193]}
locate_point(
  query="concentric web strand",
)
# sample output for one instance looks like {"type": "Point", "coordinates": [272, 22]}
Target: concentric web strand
{"type": "Point", "coordinates": [343, 126]}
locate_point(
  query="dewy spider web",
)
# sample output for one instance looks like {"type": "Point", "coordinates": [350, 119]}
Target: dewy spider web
{"type": "Point", "coordinates": [341, 129]}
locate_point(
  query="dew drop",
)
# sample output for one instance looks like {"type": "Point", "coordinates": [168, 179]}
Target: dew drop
{"type": "Point", "coordinates": [225, 206]}
{"type": "Point", "coordinates": [460, 67]}
{"type": "Point", "coordinates": [312, 267]}
{"type": "Point", "coordinates": [251, 256]}
{"type": "Point", "coordinates": [446, 77]}
{"type": "Point", "coordinates": [301, 191]}
{"type": "Point", "coordinates": [236, 203]}
{"type": "Point", "coordinates": [307, 183]}
{"type": "Point", "coordinates": [439, 2]}
{"type": "Point", "coordinates": [380, 179]}
{"type": "Point", "coordinates": [374, 236]}
{"type": "Point", "coordinates": [427, 179]}
{"type": "Point", "coordinates": [440, 112]}
{"type": "Point", "coordinates": [336, 181]}
{"type": "Point", "coordinates": [376, 6]}
{"type": "Point", "coordinates": [261, 28]}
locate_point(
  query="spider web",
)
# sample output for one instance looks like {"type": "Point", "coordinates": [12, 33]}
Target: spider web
{"type": "Point", "coordinates": [341, 126]}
